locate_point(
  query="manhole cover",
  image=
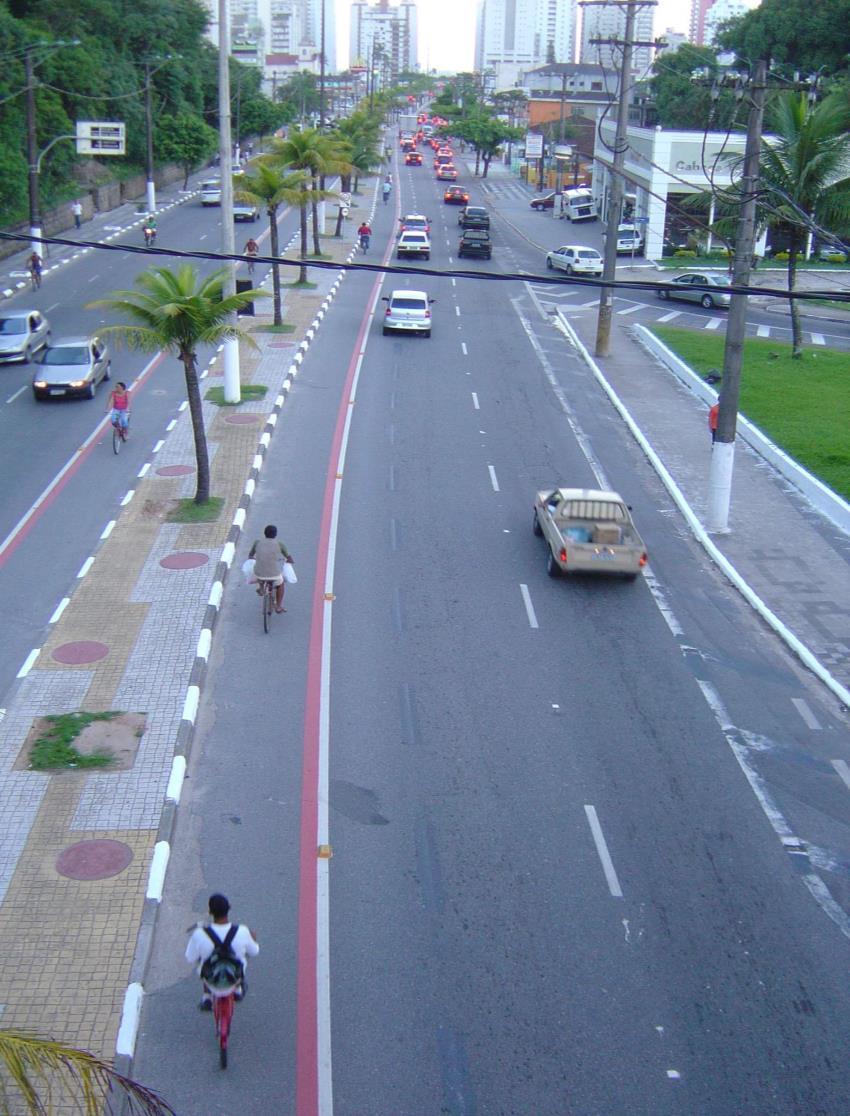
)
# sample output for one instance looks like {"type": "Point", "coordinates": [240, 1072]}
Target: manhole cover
{"type": "Point", "coordinates": [175, 470]}
{"type": "Point", "coordinates": [93, 860]}
{"type": "Point", "coordinates": [242, 420]}
{"type": "Point", "coordinates": [183, 560]}
{"type": "Point", "coordinates": [80, 651]}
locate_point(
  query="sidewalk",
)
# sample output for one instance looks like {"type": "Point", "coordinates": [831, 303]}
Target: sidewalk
{"type": "Point", "coordinates": [84, 853]}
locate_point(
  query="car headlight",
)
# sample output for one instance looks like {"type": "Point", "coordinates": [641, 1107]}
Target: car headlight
{"type": "Point", "coordinates": [78, 383]}
{"type": "Point", "coordinates": [40, 383]}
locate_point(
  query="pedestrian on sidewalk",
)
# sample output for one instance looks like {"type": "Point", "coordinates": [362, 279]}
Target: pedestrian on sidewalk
{"type": "Point", "coordinates": [77, 210]}
{"type": "Point", "coordinates": [712, 421]}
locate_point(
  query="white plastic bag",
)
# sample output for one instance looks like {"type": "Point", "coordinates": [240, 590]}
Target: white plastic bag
{"type": "Point", "coordinates": [248, 571]}
{"type": "Point", "coordinates": [289, 575]}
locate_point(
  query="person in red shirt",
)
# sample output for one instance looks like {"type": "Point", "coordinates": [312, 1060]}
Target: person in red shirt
{"type": "Point", "coordinates": [364, 232]}
{"type": "Point", "coordinates": [712, 421]}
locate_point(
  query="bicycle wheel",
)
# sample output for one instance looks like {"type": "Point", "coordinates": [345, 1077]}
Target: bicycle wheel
{"type": "Point", "coordinates": [268, 598]}
{"type": "Point", "coordinates": [222, 1014]}
{"type": "Point", "coordinates": [116, 438]}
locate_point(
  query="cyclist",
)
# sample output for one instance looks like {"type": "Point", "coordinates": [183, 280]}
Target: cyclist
{"type": "Point", "coordinates": [386, 190]}
{"type": "Point", "coordinates": [34, 263]}
{"type": "Point", "coordinates": [149, 230]}
{"type": "Point", "coordinates": [201, 944]}
{"type": "Point", "coordinates": [251, 250]}
{"type": "Point", "coordinates": [267, 553]}
{"type": "Point", "coordinates": [365, 233]}
{"type": "Point", "coordinates": [119, 404]}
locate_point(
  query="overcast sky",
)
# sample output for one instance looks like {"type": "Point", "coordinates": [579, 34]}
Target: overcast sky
{"type": "Point", "coordinates": [447, 30]}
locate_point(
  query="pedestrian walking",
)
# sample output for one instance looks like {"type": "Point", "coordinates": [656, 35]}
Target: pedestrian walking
{"type": "Point", "coordinates": [712, 421]}
{"type": "Point", "coordinates": [77, 210]}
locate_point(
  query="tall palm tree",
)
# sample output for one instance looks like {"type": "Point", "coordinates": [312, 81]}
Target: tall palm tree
{"type": "Point", "coordinates": [271, 187]}
{"type": "Point", "coordinates": [804, 177]}
{"type": "Point", "coordinates": [177, 311]}
{"type": "Point", "coordinates": [33, 1068]}
{"type": "Point", "coordinates": [307, 151]}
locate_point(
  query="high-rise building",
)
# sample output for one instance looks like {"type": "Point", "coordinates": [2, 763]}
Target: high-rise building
{"type": "Point", "coordinates": [513, 36]}
{"type": "Point", "coordinates": [609, 22]}
{"type": "Point", "coordinates": [291, 28]}
{"type": "Point", "coordinates": [707, 15]}
{"type": "Point", "coordinates": [385, 33]}
{"type": "Point", "coordinates": [696, 30]}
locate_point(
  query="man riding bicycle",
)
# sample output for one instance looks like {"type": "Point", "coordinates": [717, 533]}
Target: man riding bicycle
{"type": "Point", "coordinates": [267, 554]}
{"type": "Point", "coordinates": [386, 190]}
{"type": "Point", "coordinates": [205, 939]}
{"type": "Point", "coordinates": [251, 250]}
{"type": "Point", "coordinates": [364, 233]}
{"type": "Point", "coordinates": [34, 264]}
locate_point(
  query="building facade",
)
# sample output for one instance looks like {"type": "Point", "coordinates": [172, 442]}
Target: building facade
{"type": "Point", "coordinates": [263, 32]}
{"type": "Point", "coordinates": [384, 35]}
{"type": "Point", "coordinates": [609, 23]}
{"type": "Point", "coordinates": [513, 36]}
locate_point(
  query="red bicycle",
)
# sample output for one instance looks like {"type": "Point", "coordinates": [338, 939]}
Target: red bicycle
{"type": "Point", "coordinates": [222, 1017]}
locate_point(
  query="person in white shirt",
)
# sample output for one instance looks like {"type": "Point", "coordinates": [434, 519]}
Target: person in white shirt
{"type": "Point", "coordinates": [200, 946]}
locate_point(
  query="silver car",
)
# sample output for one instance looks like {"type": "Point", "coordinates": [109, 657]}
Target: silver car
{"type": "Point", "coordinates": [245, 211]}
{"type": "Point", "coordinates": [73, 366]}
{"type": "Point", "coordinates": [707, 290]}
{"type": "Point", "coordinates": [22, 334]}
{"type": "Point", "coordinates": [408, 311]}
{"type": "Point", "coordinates": [575, 259]}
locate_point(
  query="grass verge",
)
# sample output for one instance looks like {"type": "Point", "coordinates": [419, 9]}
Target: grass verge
{"type": "Point", "coordinates": [802, 405]}
{"type": "Point", "coordinates": [55, 748]}
{"type": "Point", "coordinates": [284, 328]}
{"type": "Point", "coordinates": [296, 286]}
{"type": "Point", "coordinates": [248, 391]}
{"type": "Point", "coordinates": [187, 511]}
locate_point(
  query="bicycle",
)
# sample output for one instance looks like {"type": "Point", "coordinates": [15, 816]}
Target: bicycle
{"type": "Point", "coordinates": [269, 600]}
{"type": "Point", "coordinates": [119, 433]}
{"type": "Point", "coordinates": [35, 277]}
{"type": "Point", "coordinates": [222, 1017]}
{"type": "Point", "coordinates": [251, 257]}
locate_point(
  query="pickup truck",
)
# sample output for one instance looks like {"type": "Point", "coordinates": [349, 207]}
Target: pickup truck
{"type": "Point", "coordinates": [588, 530]}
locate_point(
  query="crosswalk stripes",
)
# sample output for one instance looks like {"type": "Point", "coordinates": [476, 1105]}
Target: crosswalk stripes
{"type": "Point", "coordinates": [669, 317]}
{"type": "Point", "coordinates": [714, 323]}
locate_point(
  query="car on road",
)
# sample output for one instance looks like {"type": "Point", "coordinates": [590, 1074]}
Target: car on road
{"type": "Point", "coordinates": [211, 192]}
{"type": "Point", "coordinates": [413, 243]}
{"type": "Point", "coordinates": [22, 334]}
{"type": "Point", "coordinates": [244, 211]}
{"type": "Point", "coordinates": [455, 195]}
{"type": "Point", "coordinates": [407, 312]}
{"type": "Point", "coordinates": [72, 366]}
{"type": "Point", "coordinates": [473, 217]}
{"type": "Point", "coordinates": [475, 242]}
{"type": "Point", "coordinates": [414, 222]}
{"type": "Point", "coordinates": [447, 173]}
{"type": "Point", "coordinates": [708, 290]}
{"type": "Point", "coordinates": [575, 259]}
{"type": "Point", "coordinates": [588, 530]}
{"type": "Point", "coordinates": [543, 201]}
{"type": "Point", "coordinates": [629, 240]}
{"type": "Point", "coordinates": [413, 159]}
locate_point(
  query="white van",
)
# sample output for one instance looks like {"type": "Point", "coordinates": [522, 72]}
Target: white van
{"type": "Point", "coordinates": [211, 192]}
{"type": "Point", "coordinates": [577, 204]}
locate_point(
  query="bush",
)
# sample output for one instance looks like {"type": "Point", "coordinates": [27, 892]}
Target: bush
{"type": "Point", "coordinates": [685, 254]}
{"type": "Point", "coordinates": [782, 256]}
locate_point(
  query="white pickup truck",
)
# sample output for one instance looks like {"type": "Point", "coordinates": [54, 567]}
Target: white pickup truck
{"type": "Point", "coordinates": [588, 530]}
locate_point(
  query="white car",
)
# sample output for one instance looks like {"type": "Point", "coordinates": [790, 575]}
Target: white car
{"type": "Point", "coordinates": [408, 312]}
{"type": "Point", "coordinates": [414, 243]}
{"type": "Point", "coordinates": [629, 240]}
{"type": "Point", "coordinates": [22, 334]}
{"type": "Point", "coordinates": [575, 260]}
{"type": "Point", "coordinates": [211, 192]}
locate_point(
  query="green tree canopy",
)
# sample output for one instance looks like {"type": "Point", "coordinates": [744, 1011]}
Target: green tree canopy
{"type": "Point", "coordinates": [797, 35]}
{"type": "Point", "coordinates": [682, 87]}
{"type": "Point", "coordinates": [186, 140]}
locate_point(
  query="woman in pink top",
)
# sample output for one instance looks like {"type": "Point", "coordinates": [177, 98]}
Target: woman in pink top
{"type": "Point", "coordinates": [119, 405]}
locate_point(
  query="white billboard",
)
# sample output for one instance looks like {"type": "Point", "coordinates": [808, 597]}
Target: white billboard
{"type": "Point", "coordinates": [99, 137]}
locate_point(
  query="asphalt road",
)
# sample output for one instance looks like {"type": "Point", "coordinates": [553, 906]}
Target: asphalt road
{"type": "Point", "coordinates": [552, 888]}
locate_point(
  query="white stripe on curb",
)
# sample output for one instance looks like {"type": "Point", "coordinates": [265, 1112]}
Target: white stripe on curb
{"type": "Point", "coordinates": [214, 599]}
{"type": "Point", "coordinates": [190, 705]}
{"type": "Point", "coordinates": [202, 651]}
{"type": "Point", "coordinates": [156, 875]}
{"type": "Point", "coordinates": [130, 1014]}
{"type": "Point", "coordinates": [175, 779]}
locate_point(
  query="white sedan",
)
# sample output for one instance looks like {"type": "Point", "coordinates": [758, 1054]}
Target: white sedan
{"type": "Point", "coordinates": [575, 259]}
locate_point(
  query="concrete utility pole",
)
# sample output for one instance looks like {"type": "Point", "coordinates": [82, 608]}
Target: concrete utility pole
{"type": "Point", "coordinates": [32, 154]}
{"type": "Point", "coordinates": [723, 452]}
{"type": "Point", "coordinates": [322, 70]}
{"type": "Point", "coordinates": [150, 185]}
{"type": "Point", "coordinates": [232, 390]}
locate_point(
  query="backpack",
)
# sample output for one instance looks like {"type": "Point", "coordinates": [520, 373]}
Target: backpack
{"type": "Point", "coordinates": [222, 969]}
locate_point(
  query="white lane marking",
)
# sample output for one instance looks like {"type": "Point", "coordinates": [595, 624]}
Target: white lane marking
{"type": "Point", "coordinates": [818, 339]}
{"type": "Point", "coordinates": [107, 530]}
{"type": "Point", "coordinates": [28, 663]}
{"type": "Point", "coordinates": [86, 566]}
{"type": "Point", "coordinates": [463, 348]}
{"type": "Point", "coordinates": [493, 480]}
{"type": "Point", "coordinates": [713, 323]}
{"type": "Point", "coordinates": [763, 331]}
{"type": "Point", "coordinates": [158, 446]}
{"type": "Point", "coordinates": [60, 608]}
{"type": "Point", "coordinates": [529, 607]}
{"type": "Point", "coordinates": [171, 425]}
{"type": "Point", "coordinates": [669, 317]}
{"type": "Point", "coordinates": [674, 1074]}
{"type": "Point", "coordinates": [183, 405]}
{"type": "Point", "coordinates": [20, 391]}
{"type": "Point", "coordinates": [143, 469]}
{"type": "Point", "coordinates": [602, 852]}
{"type": "Point", "coordinates": [586, 305]}
{"type": "Point", "coordinates": [843, 771]}
{"type": "Point", "coordinates": [475, 401]}
{"type": "Point", "coordinates": [128, 497]}
{"type": "Point", "coordinates": [454, 283]}
{"type": "Point", "coordinates": [662, 603]}
{"type": "Point", "coordinates": [633, 309]}
{"type": "Point", "coordinates": [203, 237]}
{"type": "Point", "coordinates": [457, 311]}
{"type": "Point", "coordinates": [808, 716]}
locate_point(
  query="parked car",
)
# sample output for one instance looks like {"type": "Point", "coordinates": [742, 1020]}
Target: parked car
{"type": "Point", "coordinates": [455, 195]}
{"type": "Point", "coordinates": [408, 312]}
{"type": "Point", "coordinates": [629, 240]}
{"type": "Point", "coordinates": [543, 201]}
{"type": "Point", "coordinates": [22, 334]}
{"type": "Point", "coordinates": [413, 243]}
{"type": "Point", "coordinates": [588, 530]}
{"type": "Point", "coordinates": [211, 192]}
{"type": "Point", "coordinates": [475, 242]}
{"type": "Point", "coordinates": [412, 159]}
{"type": "Point", "coordinates": [244, 211]}
{"type": "Point", "coordinates": [473, 217]}
{"type": "Point", "coordinates": [707, 290]}
{"type": "Point", "coordinates": [72, 366]}
{"type": "Point", "coordinates": [575, 259]}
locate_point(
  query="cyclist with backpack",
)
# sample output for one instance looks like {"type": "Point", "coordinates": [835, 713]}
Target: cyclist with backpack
{"type": "Point", "coordinates": [220, 950]}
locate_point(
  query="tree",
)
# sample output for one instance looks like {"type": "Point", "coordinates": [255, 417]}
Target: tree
{"type": "Point", "coordinates": [177, 311]}
{"type": "Point", "coordinates": [186, 140]}
{"type": "Point", "coordinates": [299, 96]}
{"type": "Point", "coordinates": [486, 133]}
{"type": "Point", "coordinates": [804, 177]}
{"type": "Point", "coordinates": [796, 35]}
{"type": "Point", "coordinates": [306, 151]}
{"type": "Point", "coordinates": [32, 1067]}
{"type": "Point", "coordinates": [269, 186]}
{"type": "Point", "coordinates": [682, 88]}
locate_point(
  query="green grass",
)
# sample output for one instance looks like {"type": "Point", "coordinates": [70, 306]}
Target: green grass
{"type": "Point", "coordinates": [286, 328]}
{"type": "Point", "coordinates": [802, 405]}
{"type": "Point", "coordinates": [248, 391]}
{"type": "Point", "coordinates": [296, 286]}
{"type": "Point", "coordinates": [187, 511]}
{"type": "Point", "coordinates": [722, 262]}
{"type": "Point", "coordinates": [56, 747]}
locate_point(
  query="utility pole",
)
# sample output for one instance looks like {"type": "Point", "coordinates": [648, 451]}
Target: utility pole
{"type": "Point", "coordinates": [723, 450]}
{"type": "Point", "coordinates": [150, 185]}
{"type": "Point", "coordinates": [32, 153]}
{"type": "Point", "coordinates": [232, 391]}
{"type": "Point", "coordinates": [615, 194]}
{"type": "Point", "coordinates": [322, 69]}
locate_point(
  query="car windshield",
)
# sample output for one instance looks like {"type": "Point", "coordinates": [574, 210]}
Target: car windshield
{"type": "Point", "coordinates": [67, 354]}
{"type": "Point", "coordinates": [12, 325]}
{"type": "Point", "coordinates": [407, 304]}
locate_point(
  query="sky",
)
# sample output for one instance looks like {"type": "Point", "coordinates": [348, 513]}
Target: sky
{"type": "Point", "coordinates": [447, 30]}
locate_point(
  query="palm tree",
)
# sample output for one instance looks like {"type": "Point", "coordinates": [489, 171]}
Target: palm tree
{"type": "Point", "coordinates": [33, 1067]}
{"type": "Point", "coordinates": [269, 186]}
{"type": "Point", "coordinates": [804, 177]}
{"type": "Point", "coordinates": [307, 151]}
{"type": "Point", "coordinates": [360, 136]}
{"type": "Point", "coordinates": [177, 311]}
